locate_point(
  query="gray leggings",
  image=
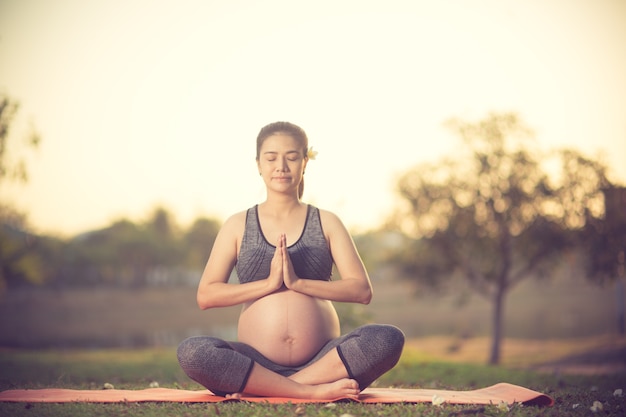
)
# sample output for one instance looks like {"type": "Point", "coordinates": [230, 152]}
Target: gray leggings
{"type": "Point", "coordinates": [224, 367]}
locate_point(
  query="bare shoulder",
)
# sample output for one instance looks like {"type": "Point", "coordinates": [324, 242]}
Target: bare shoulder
{"type": "Point", "coordinates": [331, 223]}
{"type": "Point", "coordinates": [341, 243]}
{"type": "Point", "coordinates": [228, 240]}
{"type": "Point", "coordinates": [235, 224]}
{"type": "Point", "coordinates": [238, 218]}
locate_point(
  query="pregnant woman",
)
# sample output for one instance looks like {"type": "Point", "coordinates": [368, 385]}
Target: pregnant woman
{"type": "Point", "coordinates": [289, 340]}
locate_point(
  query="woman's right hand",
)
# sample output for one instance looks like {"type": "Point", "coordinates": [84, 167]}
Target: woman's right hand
{"type": "Point", "coordinates": [275, 279]}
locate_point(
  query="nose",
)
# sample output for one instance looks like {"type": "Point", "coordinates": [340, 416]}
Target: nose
{"type": "Point", "coordinates": [281, 165]}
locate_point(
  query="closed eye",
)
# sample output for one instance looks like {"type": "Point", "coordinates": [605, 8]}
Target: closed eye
{"type": "Point", "coordinates": [292, 156]}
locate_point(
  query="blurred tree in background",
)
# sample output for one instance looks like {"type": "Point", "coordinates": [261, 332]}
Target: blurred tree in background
{"type": "Point", "coordinates": [18, 260]}
{"type": "Point", "coordinates": [12, 167]}
{"type": "Point", "coordinates": [496, 214]}
{"type": "Point", "coordinates": [154, 252]}
{"type": "Point", "coordinates": [198, 241]}
{"type": "Point", "coordinates": [605, 242]}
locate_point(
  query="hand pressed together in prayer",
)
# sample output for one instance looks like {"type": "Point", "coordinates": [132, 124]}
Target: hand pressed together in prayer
{"type": "Point", "coordinates": [281, 270]}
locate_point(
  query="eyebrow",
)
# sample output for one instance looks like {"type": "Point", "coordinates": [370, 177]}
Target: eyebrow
{"type": "Point", "coordinates": [276, 152]}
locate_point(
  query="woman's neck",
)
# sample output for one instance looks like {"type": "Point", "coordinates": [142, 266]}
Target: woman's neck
{"type": "Point", "coordinates": [281, 204]}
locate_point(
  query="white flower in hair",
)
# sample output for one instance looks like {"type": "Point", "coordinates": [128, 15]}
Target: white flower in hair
{"type": "Point", "coordinates": [311, 154]}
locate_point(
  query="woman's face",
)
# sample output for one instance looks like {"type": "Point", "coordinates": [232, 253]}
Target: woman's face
{"type": "Point", "coordinates": [281, 162]}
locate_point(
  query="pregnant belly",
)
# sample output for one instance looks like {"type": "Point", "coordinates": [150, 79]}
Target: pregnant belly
{"type": "Point", "coordinates": [287, 327]}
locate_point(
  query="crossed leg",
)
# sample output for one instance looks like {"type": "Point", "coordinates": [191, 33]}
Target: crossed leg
{"type": "Point", "coordinates": [327, 369]}
{"type": "Point", "coordinates": [341, 369]}
{"type": "Point", "coordinates": [326, 378]}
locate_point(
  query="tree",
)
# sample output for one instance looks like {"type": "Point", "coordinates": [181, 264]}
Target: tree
{"type": "Point", "coordinates": [605, 238]}
{"type": "Point", "coordinates": [17, 260]}
{"type": "Point", "coordinates": [164, 238]}
{"type": "Point", "coordinates": [11, 168]}
{"type": "Point", "coordinates": [494, 216]}
{"type": "Point", "coordinates": [154, 251]}
{"type": "Point", "coordinates": [198, 241]}
{"type": "Point", "coordinates": [125, 252]}
{"type": "Point", "coordinates": [605, 242]}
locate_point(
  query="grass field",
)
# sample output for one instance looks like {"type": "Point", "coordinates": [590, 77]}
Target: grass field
{"type": "Point", "coordinates": [137, 369]}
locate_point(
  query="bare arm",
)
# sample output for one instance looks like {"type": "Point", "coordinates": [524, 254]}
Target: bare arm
{"type": "Point", "coordinates": [354, 285]}
{"type": "Point", "coordinates": [214, 289]}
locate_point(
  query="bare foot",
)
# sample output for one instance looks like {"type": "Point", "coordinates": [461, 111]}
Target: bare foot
{"type": "Point", "coordinates": [344, 388]}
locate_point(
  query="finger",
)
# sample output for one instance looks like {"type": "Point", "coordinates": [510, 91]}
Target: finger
{"type": "Point", "coordinates": [285, 252]}
{"type": "Point", "coordinates": [279, 245]}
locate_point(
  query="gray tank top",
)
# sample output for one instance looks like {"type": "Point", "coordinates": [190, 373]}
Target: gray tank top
{"type": "Point", "coordinates": [309, 255]}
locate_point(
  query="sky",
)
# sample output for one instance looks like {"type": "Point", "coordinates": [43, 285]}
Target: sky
{"type": "Point", "coordinates": [143, 103]}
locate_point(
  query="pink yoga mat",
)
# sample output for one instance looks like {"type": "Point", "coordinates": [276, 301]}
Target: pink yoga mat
{"type": "Point", "coordinates": [495, 394]}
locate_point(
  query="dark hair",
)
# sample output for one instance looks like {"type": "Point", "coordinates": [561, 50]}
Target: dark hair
{"type": "Point", "coordinates": [285, 128]}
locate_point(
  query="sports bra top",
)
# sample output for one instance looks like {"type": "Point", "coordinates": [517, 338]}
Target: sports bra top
{"type": "Point", "coordinates": [310, 255]}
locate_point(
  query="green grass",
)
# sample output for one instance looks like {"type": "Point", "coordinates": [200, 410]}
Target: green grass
{"type": "Point", "coordinates": [136, 369]}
